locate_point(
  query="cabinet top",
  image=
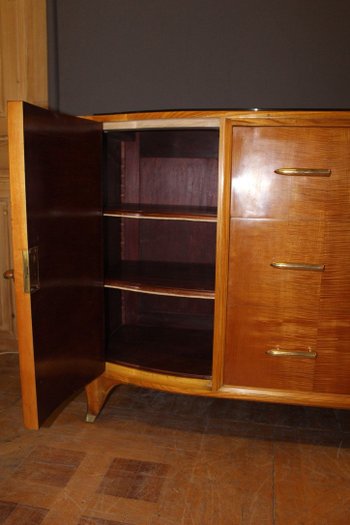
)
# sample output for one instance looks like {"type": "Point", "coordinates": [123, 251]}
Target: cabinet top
{"type": "Point", "coordinates": [213, 118]}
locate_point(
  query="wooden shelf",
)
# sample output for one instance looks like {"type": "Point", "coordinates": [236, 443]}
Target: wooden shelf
{"type": "Point", "coordinates": [177, 279]}
{"type": "Point", "coordinates": [171, 351]}
{"type": "Point", "coordinates": [160, 212]}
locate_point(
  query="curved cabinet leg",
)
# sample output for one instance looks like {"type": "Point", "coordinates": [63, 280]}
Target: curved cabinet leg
{"type": "Point", "coordinates": [96, 393]}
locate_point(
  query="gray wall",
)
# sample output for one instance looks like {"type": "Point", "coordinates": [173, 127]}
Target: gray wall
{"type": "Point", "coordinates": [129, 55]}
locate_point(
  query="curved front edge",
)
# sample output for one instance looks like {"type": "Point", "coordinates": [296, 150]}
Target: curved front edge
{"type": "Point", "coordinates": [96, 395]}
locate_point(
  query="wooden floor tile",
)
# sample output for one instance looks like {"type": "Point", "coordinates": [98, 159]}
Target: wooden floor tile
{"type": "Point", "coordinates": [312, 484]}
{"type": "Point", "coordinates": [6, 508]}
{"type": "Point", "coordinates": [50, 466]}
{"type": "Point", "coordinates": [127, 478]}
{"type": "Point", "coordinates": [232, 480]}
{"type": "Point", "coordinates": [16, 514]}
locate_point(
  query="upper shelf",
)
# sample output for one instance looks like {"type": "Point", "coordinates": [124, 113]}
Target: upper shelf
{"type": "Point", "coordinates": [164, 212]}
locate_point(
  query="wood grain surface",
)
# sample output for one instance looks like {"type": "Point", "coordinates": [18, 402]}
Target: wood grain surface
{"type": "Point", "coordinates": [55, 163]}
{"type": "Point", "coordinates": [292, 219]}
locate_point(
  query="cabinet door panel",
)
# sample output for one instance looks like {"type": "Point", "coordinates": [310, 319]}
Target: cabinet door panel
{"type": "Point", "coordinates": [56, 195]}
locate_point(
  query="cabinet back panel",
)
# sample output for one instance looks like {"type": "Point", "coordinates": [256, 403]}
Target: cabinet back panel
{"type": "Point", "coordinates": [181, 182]}
{"type": "Point", "coordinates": [177, 167]}
{"type": "Point", "coordinates": [162, 241]}
{"type": "Point", "coordinates": [114, 311]}
{"type": "Point", "coordinates": [185, 143]}
{"type": "Point", "coordinates": [177, 241]}
{"type": "Point", "coordinates": [175, 312]}
{"type": "Point", "coordinates": [156, 310]}
{"type": "Point", "coordinates": [112, 242]}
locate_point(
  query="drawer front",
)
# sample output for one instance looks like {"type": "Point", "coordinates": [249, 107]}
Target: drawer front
{"type": "Point", "coordinates": [301, 219]}
{"type": "Point", "coordinates": [258, 191]}
{"type": "Point", "coordinates": [270, 308]}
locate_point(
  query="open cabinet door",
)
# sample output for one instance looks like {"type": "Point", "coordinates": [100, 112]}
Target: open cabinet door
{"type": "Point", "coordinates": [55, 163]}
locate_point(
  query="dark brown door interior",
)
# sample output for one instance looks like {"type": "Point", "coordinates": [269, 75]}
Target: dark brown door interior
{"type": "Point", "coordinates": [64, 219]}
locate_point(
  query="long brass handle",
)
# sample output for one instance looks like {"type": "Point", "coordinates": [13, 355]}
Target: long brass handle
{"type": "Point", "coordinates": [299, 266]}
{"type": "Point", "coordinates": [9, 274]}
{"type": "Point", "coordinates": [311, 172]}
{"type": "Point", "coordinates": [280, 352]}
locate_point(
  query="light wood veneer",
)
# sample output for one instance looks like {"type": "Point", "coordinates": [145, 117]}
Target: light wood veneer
{"type": "Point", "coordinates": [174, 212]}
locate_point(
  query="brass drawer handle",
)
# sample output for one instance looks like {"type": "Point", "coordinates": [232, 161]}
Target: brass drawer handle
{"type": "Point", "coordinates": [9, 274]}
{"type": "Point", "coordinates": [311, 172]}
{"type": "Point", "coordinates": [299, 266]}
{"type": "Point", "coordinates": [279, 352]}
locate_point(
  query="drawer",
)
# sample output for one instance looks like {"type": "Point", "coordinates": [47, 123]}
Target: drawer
{"type": "Point", "coordinates": [254, 330]}
{"type": "Point", "coordinates": [271, 307]}
{"type": "Point", "coordinates": [258, 191]}
{"type": "Point", "coordinates": [294, 310]}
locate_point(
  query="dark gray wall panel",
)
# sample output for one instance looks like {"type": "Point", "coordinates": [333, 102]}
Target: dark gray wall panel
{"type": "Point", "coordinates": [128, 55]}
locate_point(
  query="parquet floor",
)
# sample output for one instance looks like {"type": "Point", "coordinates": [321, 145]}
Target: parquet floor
{"type": "Point", "coordinates": [153, 458]}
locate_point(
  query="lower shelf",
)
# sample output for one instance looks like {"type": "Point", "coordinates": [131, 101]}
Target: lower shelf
{"type": "Point", "coordinates": [166, 350]}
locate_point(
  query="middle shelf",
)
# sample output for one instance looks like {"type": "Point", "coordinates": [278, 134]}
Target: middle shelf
{"type": "Point", "coordinates": [163, 212]}
{"type": "Point", "coordinates": [165, 278]}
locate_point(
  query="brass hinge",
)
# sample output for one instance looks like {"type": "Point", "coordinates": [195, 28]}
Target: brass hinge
{"type": "Point", "coordinates": [31, 280]}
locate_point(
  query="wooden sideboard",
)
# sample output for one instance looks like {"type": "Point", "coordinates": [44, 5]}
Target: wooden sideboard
{"type": "Point", "coordinates": [199, 252]}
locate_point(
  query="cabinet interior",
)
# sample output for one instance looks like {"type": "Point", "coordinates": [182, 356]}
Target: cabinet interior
{"type": "Point", "coordinates": [160, 213]}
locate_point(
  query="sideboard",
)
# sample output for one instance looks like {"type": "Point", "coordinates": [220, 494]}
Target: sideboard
{"type": "Point", "coordinates": [197, 252]}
